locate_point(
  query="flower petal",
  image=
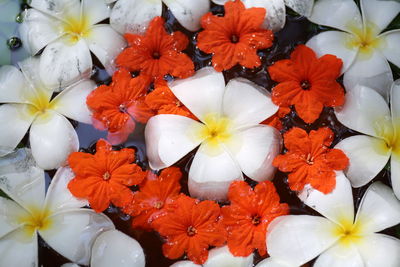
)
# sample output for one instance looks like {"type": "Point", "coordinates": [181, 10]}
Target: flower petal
{"type": "Point", "coordinates": [62, 63]}
{"type": "Point", "coordinates": [17, 250]}
{"type": "Point", "coordinates": [380, 250]}
{"type": "Point", "coordinates": [134, 16]}
{"type": "Point", "coordinates": [73, 232]}
{"type": "Point", "coordinates": [271, 262]}
{"type": "Point", "coordinates": [276, 12]}
{"type": "Point", "coordinates": [337, 205]}
{"type": "Point", "coordinates": [303, 7]}
{"type": "Point", "coordinates": [9, 215]}
{"type": "Point", "coordinates": [246, 103]}
{"type": "Point", "coordinates": [114, 248]}
{"type": "Point", "coordinates": [52, 139]}
{"type": "Point", "coordinates": [379, 209]}
{"type": "Point", "coordinates": [12, 85]}
{"type": "Point", "coordinates": [58, 8]}
{"type": "Point", "coordinates": [367, 158]}
{"type": "Point", "coordinates": [202, 93]}
{"type": "Point", "coordinates": [71, 102]}
{"type": "Point", "coordinates": [333, 43]}
{"type": "Point", "coordinates": [211, 173]}
{"type": "Point", "coordinates": [339, 255]}
{"type": "Point", "coordinates": [391, 40]}
{"type": "Point", "coordinates": [255, 149]}
{"type": "Point", "coordinates": [380, 13]}
{"type": "Point", "coordinates": [395, 104]}
{"type": "Point", "coordinates": [169, 138]}
{"type": "Point", "coordinates": [185, 264]}
{"type": "Point", "coordinates": [395, 173]}
{"type": "Point", "coordinates": [222, 257]}
{"type": "Point", "coordinates": [365, 111]}
{"type": "Point", "coordinates": [339, 14]}
{"type": "Point", "coordinates": [94, 11]}
{"type": "Point", "coordinates": [296, 239]}
{"type": "Point", "coordinates": [188, 13]}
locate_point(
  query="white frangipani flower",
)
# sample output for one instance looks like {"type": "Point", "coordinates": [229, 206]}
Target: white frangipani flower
{"type": "Point", "coordinates": [56, 216]}
{"type": "Point", "coordinates": [229, 134]}
{"type": "Point", "coordinates": [339, 238]}
{"type": "Point", "coordinates": [133, 16]}
{"type": "Point", "coordinates": [276, 12]}
{"type": "Point", "coordinates": [362, 46]}
{"type": "Point", "coordinates": [68, 30]}
{"type": "Point", "coordinates": [367, 112]}
{"type": "Point", "coordinates": [29, 105]}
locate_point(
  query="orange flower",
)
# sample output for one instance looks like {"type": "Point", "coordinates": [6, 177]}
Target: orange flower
{"type": "Point", "coordinates": [236, 37]}
{"type": "Point", "coordinates": [248, 216]}
{"type": "Point", "coordinates": [307, 82]}
{"type": "Point", "coordinates": [116, 107]}
{"type": "Point", "coordinates": [105, 176]}
{"type": "Point", "coordinates": [157, 53]}
{"type": "Point", "coordinates": [163, 101]}
{"type": "Point", "coordinates": [275, 120]}
{"type": "Point", "coordinates": [190, 226]}
{"type": "Point", "coordinates": [310, 160]}
{"type": "Point", "coordinates": [150, 200]}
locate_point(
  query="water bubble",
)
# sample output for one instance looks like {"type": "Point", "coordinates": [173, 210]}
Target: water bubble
{"type": "Point", "coordinates": [14, 43]}
{"type": "Point", "coordinates": [19, 18]}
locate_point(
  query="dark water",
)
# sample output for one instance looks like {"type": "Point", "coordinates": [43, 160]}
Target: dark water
{"type": "Point", "coordinates": [297, 31]}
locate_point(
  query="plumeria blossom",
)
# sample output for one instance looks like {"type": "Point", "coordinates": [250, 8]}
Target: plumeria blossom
{"type": "Point", "coordinates": [276, 12]}
{"type": "Point", "coordinates": [68, 30]}
{"type": "Point", "coordinates": [339, 238]}
{"type": "Point", "coordinates": [56, 216]}
{"type": "Point", "coordinates": [229, 134]}
{"type": "Point", "coordinates": [134, 16]}
{"type": "Point", "coordinates": [367, 112]}
{"type": "Point", "coordinates": [360, 43]}
{"type": "Point", "coordinates": [29, 104]}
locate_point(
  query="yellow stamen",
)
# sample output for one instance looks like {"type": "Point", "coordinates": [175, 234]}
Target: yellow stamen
{"type": "Point", "coordinates": [37, 219]}
{"type": "Point", "coordinates": [76, 28]}
{"type": "Point", "coordinates": [348, 232]}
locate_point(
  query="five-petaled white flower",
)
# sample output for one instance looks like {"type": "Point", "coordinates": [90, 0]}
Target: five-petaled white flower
{"type": "Point", "coordinates": [339, 239]}
{"type": "Point", "coordinates": [362, 46]}
{"type": "Point", "coordinates": [230, 137]}
{"type": "Point", "coordinates": [29, 104]}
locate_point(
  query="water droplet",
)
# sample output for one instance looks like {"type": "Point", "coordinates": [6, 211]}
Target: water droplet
{"type": "Point", "coordinates": [14, 43]}
{"type": "Point", "coordinates": [19, 18]}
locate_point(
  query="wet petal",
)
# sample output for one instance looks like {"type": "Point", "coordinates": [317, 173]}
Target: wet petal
{"type": "Point", "coordinates": [303, 7]}
{"type": "Point", "coordinates": [58, 8]}
{"type": "Point", "coordinates": [339, 256]}
{"type": "Point", "coordinates": [17, 250]}
{"type": "Point", "coordinates": [395, 174]}
{"type": "Point", "coordinates": [276, 12]}
{"type": "Point", "coordinates": [10, 212]}
{"type": "Point", "coordinates": [222, 257]}
{"type": "Point", "coordinates": [95, 11]}
{"type": "Point", "coordinates": [391, 40]}
{"type": "Point", "coordinates": [12, 85]}
{"type": "Point", "coordinates": [185, 264]}
{"type": "Point", "coordinates": [271, 262]}
{"type": "Point", "coordinates": [188, 13]}
{"type": "Point", "coordinates": [380, 250]}
{"type": "Point", "coordinates": [378, 12]}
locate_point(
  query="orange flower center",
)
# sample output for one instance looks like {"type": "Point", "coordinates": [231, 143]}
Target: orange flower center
{"type": "Point", "coordinates": [234, 38]}
{"type": "Point", "coordinates": [310, 159]}
{"type": "Point", "coordinates": [191, 231]}
{"type": "Point", "coordinates": [122, 108]}
{"type": "Point", "coordinates": [158, 204]}
{"type": "Point", "coordinates": [156, 55]}
{"type": "Point", "coordinates": [106, 176]}
{"type": "Point", "coordinates": [256, 219]}
{"type": "Point", "coordinates": [305, 85]}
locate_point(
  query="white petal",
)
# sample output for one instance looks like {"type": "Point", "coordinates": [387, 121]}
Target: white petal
{"type": "Point", "coordinates": [276, 12]}
{"type": "Point", "coordinates": [339, 14]}
{"type": "Point", "coordinates": [296, 239]}
{"type": "Point", "coordinates": [52, 139]}
{"type": "Point", "coordinates": [30, 69]}
{"type": "Point", "coordinates": [58, 197]}
{"type": "Point", "coordinates": [395, 174]}
{"type": "Point", "coordinates": [38, 30]}
{"type": "Point", "coordinates": [303, 7]}
{"type": "Point", "coordinates": [379, 209]}
{"type": "Point", "coordinates": [367, 158]}
{"type": "Point", "coordinates": [391, 40]}
{"type": "Point", "coordinates": [339, 256]}
{"type": "Point", "coordinates": [395, 104]}
{"type": "Point", "coordinates": [71, 102]}
{"type": "Point", "coordinates": [73, 232]}
{"type": "Point", "coordinates": [379, 13]}
{"type": "Point", "coordinates": [337, 205]}
{"type": "Point", "coordinates": [15, 122]}
{"type": "Point", "coordinates": [334, 43]}
{"type": "Point", "coordinates": [188, 13]}
{"type": "Point", "coordinates": [114, 248]}
{"type": "Point", "coordinates": [246, 103]}
{"type": "Point", "coordinates": [211, 173]}
{"type": "Point", "coordinates": [380, 250]}
{"type": "Point", "coordinates": [69, 264]}
{"type": "Point", "coordinates": [12, 85]}
{"type": "Point", "coordinates": [365, 111]}
{"type": "Point", "coordinates": [22, 180]}
{"type": "Point", "coordinates": [221, 257]}
{"type": "Point", "coordinates": [10, 213]}
{"type": "Point", "coordinates": [271, 262]}
{"type": "Point", "coordinates": [95, 11]}
{"type": "Point", "coordinates": [373, 71]}
{"type": "Point", "coordinates": [169, 138]}
{"type": "Point", "coordinates": [201, 93]}
{"type": "Point", "coordinates": [106, 44]}
{"type": "Point", "coordinates": [63, 63]}
{"type": "Point", "coordinates": [184, 264]}
{"type": "Point", "coordinates": [133, 16]}
{"type": "Point", "coordinates": [58, 8]}
{"type": "Point", "coordinates": [17, 250]}
{"type": "Point", "coordinates": [255, 149]}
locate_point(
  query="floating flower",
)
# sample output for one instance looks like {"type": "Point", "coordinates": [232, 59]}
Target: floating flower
{"type": "Point", "coordinates": [129, 16]}
{"type": "Point", "coordinates": [248, 216]}
{"type": "Point", "coordinates": [309, 160]}
{"type": "Point", "coordinates": [190, 226]}
{"type": "Point", "coordinates": [104, 177]}
{"type": "Point", "coordinates": [157, 53]}
{"type": "Point", "coordinates": [30, 104]}
{"type": "Point", "coordinates": [57, 217]}
{"type": "Point", "coordinates": [152, 196]}
{"type": "Point", "coordinates": [230, 137]}
{"type": "Point", "coordinates": [367, 112]}
{"type": "Point", "coordinates": [307, 82]}
{"type": "Point", "coordinates": [117, 106]}
{"type": "Point", "coordinates": [340, 238]}
{"type": "Point", "coordinates": [276, 11]}
{"type": "Point", "coordinates": [360, 43]}
{"type": "Point", "coordinates": [275, 121]}
{"type": "Point", "coordinates": [235, 37]}
{"type": "Point", "coordinates": [68, 31]}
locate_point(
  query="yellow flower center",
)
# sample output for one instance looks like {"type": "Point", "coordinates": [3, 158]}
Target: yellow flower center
{"type": "Point", "coordinates": [365, 39]}
{"type": "Point", "coordinates": [39, 100]}
{"type": "Point", "coordinates": [348, 233]}
{"type": "Point", "coordinates": [388, 133]}
{"type": "Point", "coordinates": [36, 220]}
{"type": "Point", "coordinates": [76, 28]}
{"type": "Point", "coordinates": [216, 130]}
